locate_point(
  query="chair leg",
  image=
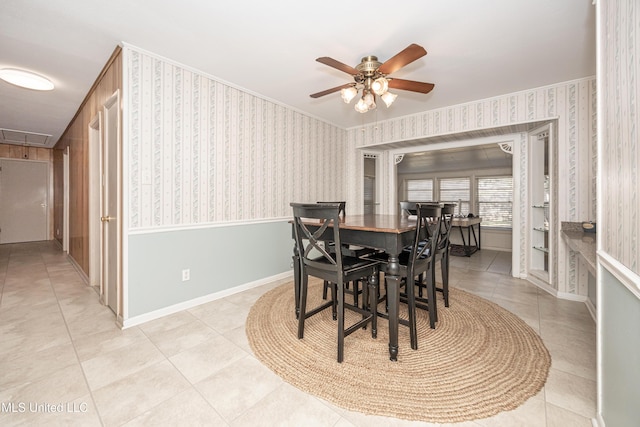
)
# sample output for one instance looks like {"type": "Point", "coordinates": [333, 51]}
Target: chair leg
{"type": "Point", "coordinates": [431, 298]}
{"type": "Point", "coordinates": [340, 292]}
{"type": "Point", "coordinates": [372, 285]}
{"type": "Point", "coordinates": [445, 278]}
{"type": "Point", "coordinates": [303, 305]}
{"type": "Point", "coordinates": [411, 308]}
{"type": "Point", "coordinates": [334, 307]}
{"type": "Point", "coordinates": [324, 289]}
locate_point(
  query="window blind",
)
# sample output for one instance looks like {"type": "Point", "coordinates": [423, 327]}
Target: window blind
{"type": "Point", "coordinates": [420, 190]}
{"type": "Point", "coordinates": [456, 190]}
{"type": "Point", "coordinates": [495, 199]}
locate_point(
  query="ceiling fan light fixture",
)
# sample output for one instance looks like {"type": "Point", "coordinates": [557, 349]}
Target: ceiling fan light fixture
{"type": "Point", "coordinates": [348, 94]}
{"type": "Point", "coordinates": [361, 106]}
{"type": "Point", "coordinates": [380, 85]}
{"type": "Point", "coordinates": [388, 98]}
{"type": "Point", "coordinates": [25, 79]}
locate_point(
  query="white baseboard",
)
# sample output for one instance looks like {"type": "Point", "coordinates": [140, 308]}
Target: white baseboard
{"type": "Point", "coordinates": [597, 422]}
{"type": "Point", "coordinates": [156, 314]}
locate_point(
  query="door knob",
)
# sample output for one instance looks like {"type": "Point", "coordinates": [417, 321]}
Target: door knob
{"type": "Point", "coordinates": [107, 218]}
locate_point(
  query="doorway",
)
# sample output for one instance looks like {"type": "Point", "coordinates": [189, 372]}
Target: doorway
{"type": "Point", "coordinates": [370, 202]}
{"type": "Point", "coordinates": [95, 202]}
{"type": "Point", "coordinates": [24, 197]}
{"type": "Point", "coordinates": [110, 218]}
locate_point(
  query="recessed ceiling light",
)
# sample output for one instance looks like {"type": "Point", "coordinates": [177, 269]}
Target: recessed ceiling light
{"type": "Point", "coordinates": [25, 79]}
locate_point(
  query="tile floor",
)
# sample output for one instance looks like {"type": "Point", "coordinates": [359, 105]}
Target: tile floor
{"type": "Point", "coordinates": [63, 361]}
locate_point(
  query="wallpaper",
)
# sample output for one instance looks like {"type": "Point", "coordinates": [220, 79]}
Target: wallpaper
{"type": "Point", "coordinates": [620, 40]}
{"type": "Point", "coordinates": [202, 152]}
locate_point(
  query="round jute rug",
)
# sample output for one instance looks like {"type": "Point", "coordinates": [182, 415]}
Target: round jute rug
{"type": "Point", "coordinates": [480, 360]}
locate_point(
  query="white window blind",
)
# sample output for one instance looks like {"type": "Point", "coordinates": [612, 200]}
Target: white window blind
{"type": "Point", "coordinates": [495, 197]}
{"type": "Point", "coordinates": [458, 191]}
{"type": "Point", "coordinates": [420, 190]}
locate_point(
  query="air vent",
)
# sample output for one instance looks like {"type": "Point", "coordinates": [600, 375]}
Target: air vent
{"type": "Point", "coordinates": [21, 137]}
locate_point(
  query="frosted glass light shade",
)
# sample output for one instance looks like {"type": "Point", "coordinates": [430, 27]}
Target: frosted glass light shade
{"type": "Point", "coordinates": [388, 98]}
{"type": "Point", "coordinates": [361, 106]}
{"type": "Point", "coordinates": [25, 79]}
{"type": "Point", "coordinates": [370, 100]}
{"type": "Point", "coordinates": [348, 94]}
{"type": "Point", "coordinates": [380, 86]}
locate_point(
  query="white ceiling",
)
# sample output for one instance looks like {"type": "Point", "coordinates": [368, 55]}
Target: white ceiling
{"type": "Point", "coordinates": [476, 49]}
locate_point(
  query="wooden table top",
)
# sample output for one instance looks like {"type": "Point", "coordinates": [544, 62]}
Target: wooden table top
{"type": "Point", "coordinates": [377, 223]}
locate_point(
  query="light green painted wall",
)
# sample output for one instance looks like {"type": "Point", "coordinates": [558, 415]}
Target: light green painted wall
{"type": "Point", "coordinates": [219, 258]}
{"type": "Point", "coordinates": [620, 336]}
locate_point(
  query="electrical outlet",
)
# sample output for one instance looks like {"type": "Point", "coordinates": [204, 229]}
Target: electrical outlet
{"type": "Point", "coordinates": [186, 275]}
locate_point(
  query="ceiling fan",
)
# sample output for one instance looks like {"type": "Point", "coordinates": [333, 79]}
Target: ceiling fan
{"type": "Point", "coordinates": [371, 76]}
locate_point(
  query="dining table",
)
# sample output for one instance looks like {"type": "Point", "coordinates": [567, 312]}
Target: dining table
{"type": "Point", "coordinates": [389, 233]}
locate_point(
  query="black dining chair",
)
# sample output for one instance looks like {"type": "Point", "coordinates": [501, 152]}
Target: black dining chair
{"type": "Point", "coordinates": [414, 261]}
{"type": "Point", "coordinates": [442, 254]}
{"type": "Point", "coordinates": [315, 224]}
{"type": "Point", "coordinates": [350, 251]}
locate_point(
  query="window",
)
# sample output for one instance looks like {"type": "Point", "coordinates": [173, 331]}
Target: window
{"type": "Point", "coordinates": [420, 190]}
{"type": "Point", "coordinates": [495, 201]}
{"type": "Point", "coordinates": [456, 190]}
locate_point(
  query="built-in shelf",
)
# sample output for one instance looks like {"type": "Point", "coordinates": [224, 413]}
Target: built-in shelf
{"type": "Point", "coordinates": [540, 211]}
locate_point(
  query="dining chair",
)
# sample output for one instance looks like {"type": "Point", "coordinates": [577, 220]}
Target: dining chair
{"type": "Point", "coordinates": [442, 254]}
{"type": "Point", "coordinates": [414, 260]}
{"type": "Point", "coordinates": [333, 267]}
{"type": "Point", "coordinates": [350, 251]}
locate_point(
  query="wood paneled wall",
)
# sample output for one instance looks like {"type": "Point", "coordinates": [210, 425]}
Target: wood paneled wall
{"type": "Point", "coordinates": [76, 137]}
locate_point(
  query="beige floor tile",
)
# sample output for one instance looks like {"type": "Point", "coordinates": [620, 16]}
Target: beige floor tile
{"type": "Point", "coordinates": [571, 392]}
{"type": "Point", "coordinates": [223, 316]}
{"type": "Point", "coordinates": [117, 364]}
{"type": "Point", "coordinates": [132, 396]}
{"type": "Point", "coordinates": [287, 407]}
{"type": "Point", "coordinates": [185, 409]}
{"type": "Point", "coordinates": [64, 385]}
{"type": "Point", "coordinates": [36, 365]}
{"type": "Point", "coordinates": [559, 417]}
{"type": "Point", "coordinates": [103, 342]}
{"type": "Point", "coordinates": [185, 336]}
{"type": "Point", "coordinates": [236, 388]}
{"type": "Point", "coordinates": [203, 360]}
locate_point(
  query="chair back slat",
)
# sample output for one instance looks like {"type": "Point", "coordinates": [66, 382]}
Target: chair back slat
{"type": "Point", "coordinates": [427, 236]}
{"type": "Point", "coordinates": [448, 211]}
{"type": "Point", "coordinates": [311, 244]}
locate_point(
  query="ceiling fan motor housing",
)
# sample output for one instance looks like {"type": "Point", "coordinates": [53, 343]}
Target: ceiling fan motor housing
{"type": "Point", "coordinates": [368, 65]}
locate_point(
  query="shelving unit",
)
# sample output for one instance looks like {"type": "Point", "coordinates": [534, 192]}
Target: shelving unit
{"type": "Point", "coordinates": [540, 238]}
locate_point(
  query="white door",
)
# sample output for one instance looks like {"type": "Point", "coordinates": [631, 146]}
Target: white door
{"type": "Point", "coordinates": [23, 200]}
{"type": "Point", "coordinates": [110, 212]}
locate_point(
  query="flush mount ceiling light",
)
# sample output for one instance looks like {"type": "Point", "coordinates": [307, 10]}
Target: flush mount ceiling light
{"type": "Point", "coordinates": [25, 79]}
{"type": "Point", "coordinates": [370, 76]}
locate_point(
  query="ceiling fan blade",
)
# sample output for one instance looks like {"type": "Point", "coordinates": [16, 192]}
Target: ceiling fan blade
{"type": "Point", "coordinates": [411, 85]}
{"type": "Point", "coordinates": [337, 65]}
{"type": "Point", "coordinates": [407, 56]}
{"type": "Point", "coordinates": [328, 91]}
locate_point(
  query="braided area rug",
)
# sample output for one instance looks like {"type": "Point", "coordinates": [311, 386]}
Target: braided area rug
{"type": "Point", "coordinates": [480, 360]}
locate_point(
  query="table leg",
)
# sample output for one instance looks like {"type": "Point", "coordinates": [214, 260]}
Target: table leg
{"type": "Point", "coordinates": [392, 279]}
